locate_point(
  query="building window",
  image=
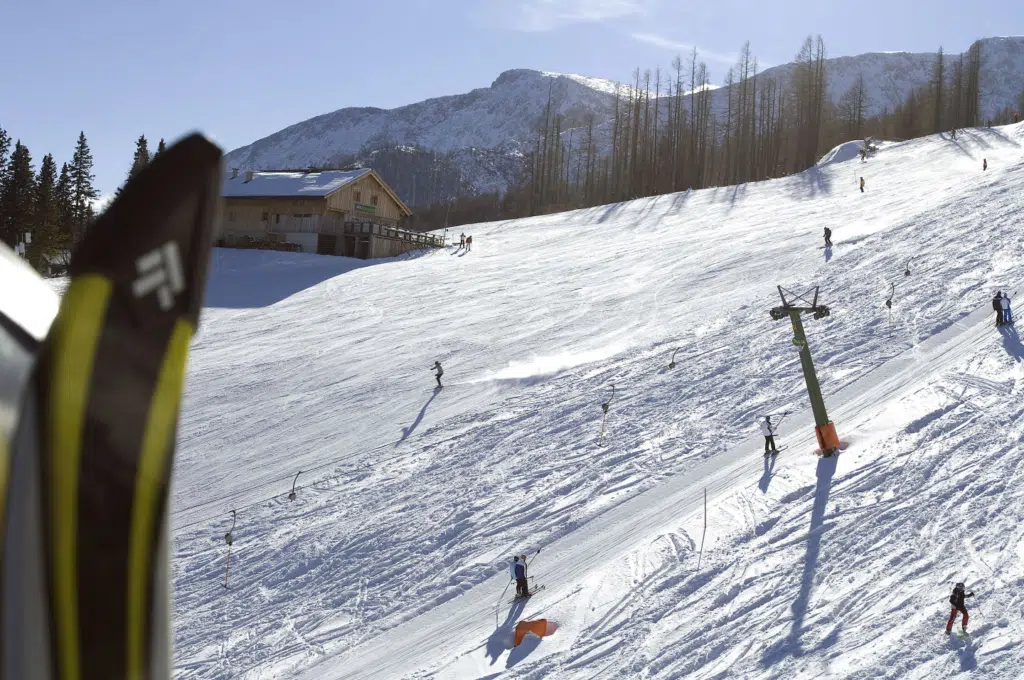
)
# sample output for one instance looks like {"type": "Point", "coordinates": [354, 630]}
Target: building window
{"type": "Point", "coordinates": [373, 200]}
{"type": "Point", "coordinates": [359, 197]}
{"type": "Point", "coordinates": [264, 217]}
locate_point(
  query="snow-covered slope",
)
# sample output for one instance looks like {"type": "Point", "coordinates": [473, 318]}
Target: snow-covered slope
{"type": "Point", "coordinates": [391, 560]}
{"type": "Point", "coordinates": [488, 128]}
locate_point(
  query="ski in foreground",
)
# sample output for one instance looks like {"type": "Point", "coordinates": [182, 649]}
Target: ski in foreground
{"type": "Point", "coordinates": [85, 569]}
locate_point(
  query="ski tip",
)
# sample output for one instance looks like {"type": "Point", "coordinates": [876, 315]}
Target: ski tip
{"type": "Point", "coordinates": [163, 222]}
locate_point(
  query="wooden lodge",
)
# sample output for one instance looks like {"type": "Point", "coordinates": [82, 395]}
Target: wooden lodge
{"type": "Point", "coordinates": [331, 212]}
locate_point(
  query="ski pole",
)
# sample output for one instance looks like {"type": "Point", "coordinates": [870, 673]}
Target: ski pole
{"type": "Point", "coordinates": [497, 607]}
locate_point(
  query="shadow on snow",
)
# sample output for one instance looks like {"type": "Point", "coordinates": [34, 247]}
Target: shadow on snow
{"type": "Point", "coordinates": [500, 640]}
{"type": "Point", "coordinates": [1011, 342]}
{"type": "Point", "coordinates": [406, 431]}
{"type": "Point", "coordinates": [247, 279]}
{"type": "Point", "coordinates": [791, 645]}
{"type": "Point", "coordinates": [766, 478]}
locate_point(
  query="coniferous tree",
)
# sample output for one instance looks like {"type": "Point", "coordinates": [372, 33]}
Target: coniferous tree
{"type": "Point", "coordinates": [5, 147]}
{"type": "Point", "coordinates": [82, 190]}
{"type": "Point", "coordinates": [139, 161]}
{"type": "Point", "coordinates": [160, 148]}
{"type": "Point", "coordinates": [46, 215]}
{"type": "Point", "coordinates": [141, 157]}
{"type": "Point", "coordinates": [64, 197]}
{"type": "Point", "coordinates": [18, 196]}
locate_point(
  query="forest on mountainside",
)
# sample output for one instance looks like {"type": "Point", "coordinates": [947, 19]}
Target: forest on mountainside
{"type": "Point", "coordinates": [663, 141]}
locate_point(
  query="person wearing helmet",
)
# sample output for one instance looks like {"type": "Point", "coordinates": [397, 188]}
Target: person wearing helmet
{"type": "Point", "coordinates": [997, 305]}
{"type": "Point", "coordinates": [957, 600]}
{"type": "Point", "coordinates": [769, 435]}
{"type": "Point", "coordinates": [828, 237]}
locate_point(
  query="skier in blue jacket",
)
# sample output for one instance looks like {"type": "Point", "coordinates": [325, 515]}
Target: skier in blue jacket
{"type": "Point", "coordinates": [519, 573]}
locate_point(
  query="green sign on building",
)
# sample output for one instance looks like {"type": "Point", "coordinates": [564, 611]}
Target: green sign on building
{"type": "Point", "coordinates": [366, 208]}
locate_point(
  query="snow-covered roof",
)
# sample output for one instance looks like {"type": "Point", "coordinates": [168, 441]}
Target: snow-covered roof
{"type": "Point", "coordinates": [282, 184]}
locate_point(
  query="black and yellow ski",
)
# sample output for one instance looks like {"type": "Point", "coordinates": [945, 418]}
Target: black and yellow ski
{"type": "Point", "coordinates": [107, 394]}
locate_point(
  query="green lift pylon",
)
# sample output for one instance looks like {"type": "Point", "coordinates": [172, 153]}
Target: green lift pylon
{"type": "Point", "coordinates": [824, 429]}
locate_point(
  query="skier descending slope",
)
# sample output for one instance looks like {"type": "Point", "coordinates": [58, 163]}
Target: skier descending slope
{"type": "Point", "coordinates": [957, 600]}
{"type": "Point", "coordinates": [440, 372]}
{"type": "Point", "coordinates": [828, 237]}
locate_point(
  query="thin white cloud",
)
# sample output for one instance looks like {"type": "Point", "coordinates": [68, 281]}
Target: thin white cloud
{"type": "Point", "coordinates": [683, 48]}
{"type": "Point", "coordinates": [547, 15]}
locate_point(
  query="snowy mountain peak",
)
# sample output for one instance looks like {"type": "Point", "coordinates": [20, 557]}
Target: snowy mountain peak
{"type": "Point", "coordinates": [488, 128]}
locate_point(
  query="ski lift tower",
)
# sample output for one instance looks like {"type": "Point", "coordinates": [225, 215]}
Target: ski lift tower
{"type": "Point", "coordinates": [824, 429]}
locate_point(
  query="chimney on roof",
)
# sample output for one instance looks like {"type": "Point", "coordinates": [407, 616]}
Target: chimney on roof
{"type": "Point", "coordinates": [234, 173]}
{"type": "Point", "coordinates": [248, 175]}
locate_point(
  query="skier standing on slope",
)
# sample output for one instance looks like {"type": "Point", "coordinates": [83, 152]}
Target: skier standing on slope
{"type": "Point", "coordinates": [957, 600]}
{"type": "Point", "coordinates": [997, 305]}
{"type": "Point", "coordinates": [519, 570]}
{"type": "Point", "coordinates": [769, 435]}
{"type": "Point", "coordinates": [440, 372]}
{"type": "Point", "coordinates": [984, 164]}
{"type": "Point", "coordinates": [462, 240]}
{"type": "Point", "coordinates": [469, 243]}
{"type": "Point", "coordinates": [1004, 304]}
{"type": "Point", "coordinates": [862, 185]}
{"type": "Point", "coordinates": [828, 237]}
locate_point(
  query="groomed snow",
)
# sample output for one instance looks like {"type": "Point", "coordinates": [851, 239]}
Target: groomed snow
{"type": "Point", "coordinates": [392, 557]}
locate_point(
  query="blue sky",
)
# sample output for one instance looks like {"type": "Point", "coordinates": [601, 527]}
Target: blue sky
{"type": "Point", "coordinates": [239, 71]}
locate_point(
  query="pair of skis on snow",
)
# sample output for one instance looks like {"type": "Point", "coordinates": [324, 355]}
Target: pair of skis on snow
{"type": "Point", "coordinates": [520, 598]}
{"type": "Point", "coordinates": [89, 401]}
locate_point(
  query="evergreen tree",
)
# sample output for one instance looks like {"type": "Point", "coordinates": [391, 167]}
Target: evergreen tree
{"type": "Point", "coordinates": [5, 147]}
{"type": "Point", "coordinates": [139, 161]}
{"type": "Point", "coordinates": [161, 147]}
{"type": "Point", "coordinates": [46, 214]}
{"type": "Point", "coordinates": [18, 196]}
{"type": "Point", "coordinates": [82, 190]}
{"type": "Point", "coordinates": [64, 197]}
{"type": "Point", "coordinates": [141, 158]}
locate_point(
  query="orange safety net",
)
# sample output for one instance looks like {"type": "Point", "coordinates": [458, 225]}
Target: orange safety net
{"type": "Point", "coordinates": [540, 628]}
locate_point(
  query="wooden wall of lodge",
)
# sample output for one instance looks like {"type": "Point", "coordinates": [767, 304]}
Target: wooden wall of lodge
{"type": "Point", "coordinates": [244, 216]}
